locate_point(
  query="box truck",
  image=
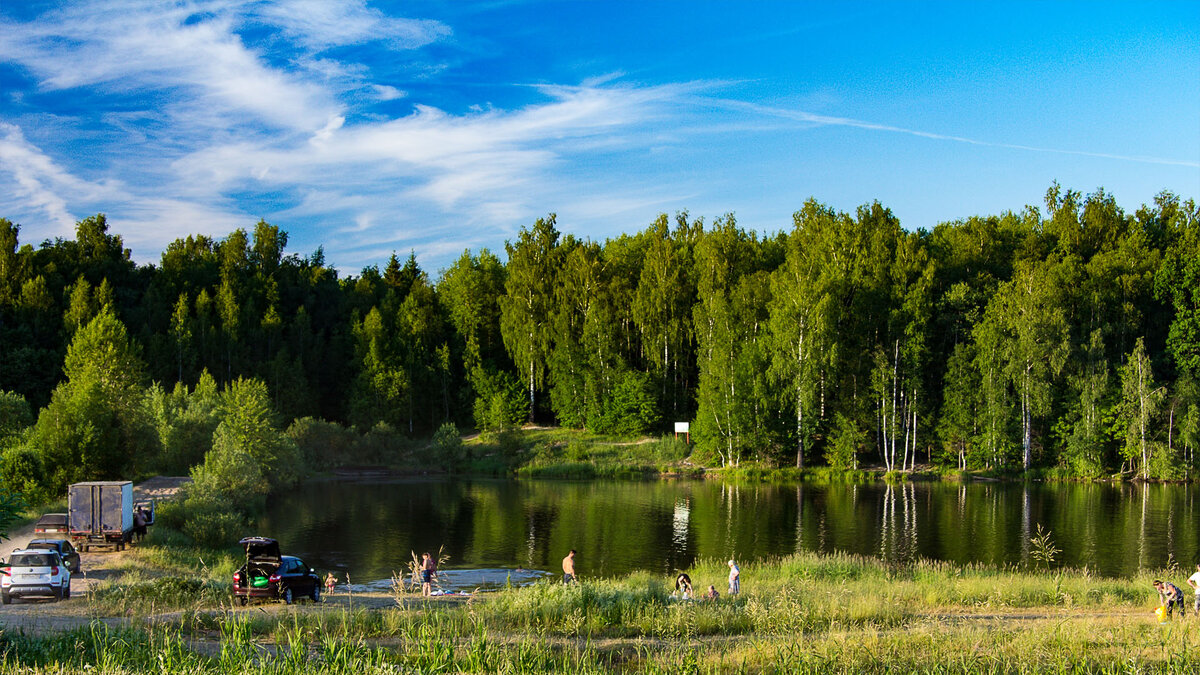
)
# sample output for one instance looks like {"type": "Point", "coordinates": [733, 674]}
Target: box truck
{"type": "Point", "coordinates": [101, 514]}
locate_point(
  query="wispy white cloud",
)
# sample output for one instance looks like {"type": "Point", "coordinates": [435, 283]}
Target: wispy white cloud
{"type": "Point", "coordinates": [37, 182]}
{"type": "Point", "coordinates": [828, 120]}
{"type": "Point", "coordinates": [321, 24]}
{"type": "Point", "coordinates": [387, 92]}
{"type": "Point", "coordinates": [204, 115]}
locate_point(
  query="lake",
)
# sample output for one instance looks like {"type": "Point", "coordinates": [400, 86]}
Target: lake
{"type": "Point", "coordinates": [369, 528]}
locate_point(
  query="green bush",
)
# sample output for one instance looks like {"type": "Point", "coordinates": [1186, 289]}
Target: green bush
{"type": "Point", "coordinates": [213, 524]}
{"type": "Point", "coordinates": [324, 444]}
{"type": "Point", "coordinates": [501, 402]}
{"type": "Point", "coordinates": [630, 408]}
{"type": "Point", "coordinates": [21, 470]}
{"type": "Point", "coordinates": [15, 414]}
{"type": "Point", "coordinates": [842, 452]}
{"type": "Point", "coordinates": [448, 446]}
{"type": "Point", "coordinates": [672, 449]}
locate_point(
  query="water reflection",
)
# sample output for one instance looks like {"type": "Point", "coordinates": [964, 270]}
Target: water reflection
{"type": "Point", "coordinates": [370, 528]}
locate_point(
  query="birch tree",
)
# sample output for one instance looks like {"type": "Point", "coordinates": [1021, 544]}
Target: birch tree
{"type": "Point", "coordinates": [526, 306]}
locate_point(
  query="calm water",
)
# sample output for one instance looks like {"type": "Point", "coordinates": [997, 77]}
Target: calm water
{"type": "Point", "coordinates": [369, 528]}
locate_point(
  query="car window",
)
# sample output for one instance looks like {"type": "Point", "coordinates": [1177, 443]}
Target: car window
{"type": "Point", "coordinates": [33, 560]}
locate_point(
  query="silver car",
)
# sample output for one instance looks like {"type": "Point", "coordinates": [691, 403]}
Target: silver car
{"type": "Point", "coordinates": [33, 573]}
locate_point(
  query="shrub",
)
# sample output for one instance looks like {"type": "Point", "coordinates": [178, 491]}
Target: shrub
{"type": "Point", "coordinates": [213, 524]}
{"type": "Point", "coordinates": [323, 444]}
{"type": "Point", "coordinates": [21, 470]}
{"type": "Point", "coordinates": [15, 414]}
{"type": "Point", "coordinates": [448, 446]}
{"type": "Point", "coordinates": [501, 402]}
{"type": "Point", "coordinates": [630, 408]}
{"type": "Point", "coordinates": [847, 438]}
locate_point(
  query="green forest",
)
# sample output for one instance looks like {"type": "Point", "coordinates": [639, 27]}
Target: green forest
{"type": "Point", "coordinates": [1063, 338]}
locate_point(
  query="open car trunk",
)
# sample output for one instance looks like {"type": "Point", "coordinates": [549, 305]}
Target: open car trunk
{"type": "Point", "coordinates": [262, 560]}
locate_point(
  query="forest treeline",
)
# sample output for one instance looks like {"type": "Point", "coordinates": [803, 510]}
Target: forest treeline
{"type": "Point", "coordinates": [1063, 338]}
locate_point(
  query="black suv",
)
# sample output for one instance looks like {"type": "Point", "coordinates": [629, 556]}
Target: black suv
{"type": "Point", "coordinates": [62, 547]}
{"type": "Point", "coordinates": [267, 574]}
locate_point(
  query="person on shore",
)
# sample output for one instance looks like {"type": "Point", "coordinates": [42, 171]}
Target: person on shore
{"type": "Point", "coordinates": [330, 582]}
{"type": "Point", "coordinates": [712, 593]}
{"type": "Point", "coordinates": [1194, 582]}
{"type": "Point", "coordinates": [139, 525]}
{"type": "Point", "coordinates": [735, 578]}
{"type": "Point", "coordinates": [569, 568]}
{"type": "Point", "coordinates": [1169, 596]}
{"type": "Point", "coordinates": [428, 572]}
{"type": "Point", "coordinates": [683, 586]}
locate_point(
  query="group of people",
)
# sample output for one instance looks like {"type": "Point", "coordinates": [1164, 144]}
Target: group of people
{"type": "Point", "coordinates": [427, 568]}
{"type": "Point", "coordinates": [684, 590]}
{"type": "Point", "coordinates": [1170, 596]}
{"type": "Point", "coordinates": [683, 583]}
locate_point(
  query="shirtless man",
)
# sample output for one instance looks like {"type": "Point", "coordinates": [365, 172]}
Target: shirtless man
{"type": "Point", "coordinates": [428, 572]}
{"type": "Point", "coordinates": [1194, 582]}
{"type": "Point", "coordinates": [569, 568]}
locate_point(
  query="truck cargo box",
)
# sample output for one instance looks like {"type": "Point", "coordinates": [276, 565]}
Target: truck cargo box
{"type": "Point", "coordinates": [101, 513]}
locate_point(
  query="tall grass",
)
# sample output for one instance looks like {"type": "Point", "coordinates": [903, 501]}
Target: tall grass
{"type": "Point", "coordinates": [803, 613]}
{"type": "Point", "coordinates": [434, 647]}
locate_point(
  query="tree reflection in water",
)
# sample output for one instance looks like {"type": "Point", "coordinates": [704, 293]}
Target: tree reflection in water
{"type": "Point", "coordinates": [369, 528]}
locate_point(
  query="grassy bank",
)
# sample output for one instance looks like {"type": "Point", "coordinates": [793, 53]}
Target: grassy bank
{"type": "Point", "coordinates": [555, 452]}
{"type": "Point", "coordinates": [803, 613]}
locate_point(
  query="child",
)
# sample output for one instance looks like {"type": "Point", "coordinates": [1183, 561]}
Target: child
{"type": "Point", "coordinates": [329, 583]}
{"type": "Point", "coordinates": [683, 585]}
{"type": "Point", "coordinates": [712, 593]}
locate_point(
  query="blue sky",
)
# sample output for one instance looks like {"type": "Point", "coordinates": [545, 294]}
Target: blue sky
{"type": "Point", "coordinates": [373, 127]}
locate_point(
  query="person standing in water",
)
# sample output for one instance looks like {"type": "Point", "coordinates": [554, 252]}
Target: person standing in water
{"type": "Point", "coordinates": [569, 568]}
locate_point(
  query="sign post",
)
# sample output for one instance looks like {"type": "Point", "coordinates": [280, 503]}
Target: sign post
{"type": "Point", "coordinates": [684, 428]}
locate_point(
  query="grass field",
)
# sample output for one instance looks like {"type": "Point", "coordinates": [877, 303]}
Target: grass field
{"type": "Point", "coordinates": [803, 613]}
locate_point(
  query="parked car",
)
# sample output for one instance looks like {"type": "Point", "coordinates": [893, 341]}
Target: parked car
{"type": "Point", "coordinates": [52, 523]}
{"type": "Point", "coordinates": [62, 547]}
{"type": "Point", "coordinates": [34, 573]}
{"type": "Point", "coordinates": [268, 574]}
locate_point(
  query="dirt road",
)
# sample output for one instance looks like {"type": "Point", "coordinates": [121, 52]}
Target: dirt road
{"type": "Point", "coordinates": [41, 616]}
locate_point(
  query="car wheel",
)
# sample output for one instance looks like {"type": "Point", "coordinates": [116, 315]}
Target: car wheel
{"type": "Point", "coordinates": [58, 594]}
{"type": "Point", "coordinates": [316, 593]}
{"type": "Point", "coordinates": [243, 600]}
{"type": "Point", "coordinates": [287, 595]}
{"type": "Point", "coordinates": [66, 591]}
{"type": "Point", "coordinates": [6, 599]}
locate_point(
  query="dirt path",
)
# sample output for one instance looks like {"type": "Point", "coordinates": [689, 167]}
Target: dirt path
{"type": "Point", "coordinates": [158, 488]}
{"type": "Point", "coordinates": [42, 616]}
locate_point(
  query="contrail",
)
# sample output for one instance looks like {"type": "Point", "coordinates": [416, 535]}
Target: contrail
{"type": "Point", "coordinates": [803, 116]}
